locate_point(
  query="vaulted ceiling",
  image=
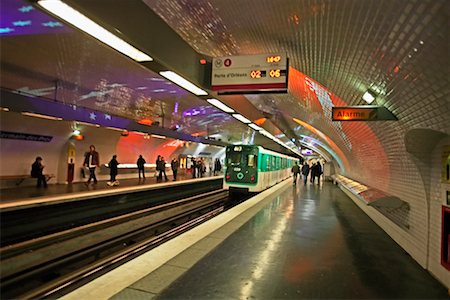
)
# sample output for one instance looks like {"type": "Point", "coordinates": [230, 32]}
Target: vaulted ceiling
{"type": "Point", "coordinates": [337, 50]}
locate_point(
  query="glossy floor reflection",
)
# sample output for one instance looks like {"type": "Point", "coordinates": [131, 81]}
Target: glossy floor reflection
{"type": "Point", "coordinates": [310, 242]}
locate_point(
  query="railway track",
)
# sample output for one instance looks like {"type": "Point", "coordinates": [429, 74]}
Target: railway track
{"type": "Point", "coordinates": [54, 264]}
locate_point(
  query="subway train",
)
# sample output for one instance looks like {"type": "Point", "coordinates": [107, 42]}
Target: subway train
{"type": "Point", "coordinates": [250, 168]}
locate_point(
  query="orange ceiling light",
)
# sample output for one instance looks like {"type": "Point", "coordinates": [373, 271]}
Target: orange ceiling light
{"type": "Point", "coordinates": [329, 141]}
{"type": "Point", "coordinates": [260, 121]}
{"type": "Point", "coordinates": [145, 122]}
{"type": "Point", "coordinates": [201, 133]}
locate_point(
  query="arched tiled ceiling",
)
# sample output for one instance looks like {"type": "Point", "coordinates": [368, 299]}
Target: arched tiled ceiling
{"type": "Point", "coordinates": [338, 49]}
{"type": "Point", "coordinates": [68, 66]}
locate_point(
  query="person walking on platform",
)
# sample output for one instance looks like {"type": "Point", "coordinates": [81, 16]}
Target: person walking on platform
{"type": "Point", "coordinates": [313, 170]}
{"type": "Point", "coordinates": [140, 164]}
{"type": "Point", "coordinates": [37, 169]}
{"type": "Point", "coordinates": [174, 164]}
{"type": "Point", "coordinates": [113, 171]}
{"type": "Point", "coordinates": [319, 171]}
{"type": "Point", "coordinates": [305, 172]}
{"type": "Point", "coordinates": [91, 161]}
{"type": "Point", "coordinates": [296, 170]}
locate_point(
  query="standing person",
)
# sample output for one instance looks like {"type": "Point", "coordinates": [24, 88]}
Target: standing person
{"type": "Point", "coordinates": [158, 168]}
{"type": "Point", "coordinates": [217, 167]}
{"type": "Point", "coordinates": [140, 164]}
{"type": "Point", "coordinates": [113, 171]}
{"type": "Point", "coordinates": [162, 168]}
{"type": "Point", "coordinates": [91, 160]}
{"type": "Point", "coordinates": [193, 167]}
{"type": "Point", "coordinates": [319, 171]}
{"type": "Point", "coordinates": [305, 172]}
{"type": "Point", "coordinates": [313, 172]}
{"type": "Point", "coordinates": [174, 164]}
{"type": "Point", "coordinates": [296, 170]}
{"type": "Point", "coordinates": [200, 165]}
{"type": "Point", "coordinates": [37, 169]}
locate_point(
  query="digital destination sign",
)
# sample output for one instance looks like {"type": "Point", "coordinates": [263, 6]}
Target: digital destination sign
{"type": "Point", "coordinates": [250, 73]}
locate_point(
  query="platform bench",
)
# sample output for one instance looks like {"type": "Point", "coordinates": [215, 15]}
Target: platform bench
{"type": "Point", "coordinates": [20, 178]}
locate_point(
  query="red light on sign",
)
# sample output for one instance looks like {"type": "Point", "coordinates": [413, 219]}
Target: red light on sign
{"type": "Point", "coordinates": [273, 59]}
{"type": "Point", "coordinates": [227, 62]}
{"type": "Point", "coordinates": [252, 178]}
{"type": "Point", "coordinates": [203, 61]}
{"type": "Point", "coordinates": [228, 176]}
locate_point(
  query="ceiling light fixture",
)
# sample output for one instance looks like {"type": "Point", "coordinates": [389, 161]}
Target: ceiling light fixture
{"type": "Point", "coordinates": [241, 118]}
{"type": "Point", "coordinates": [174, 77]}
{"type": "Point", "coordinates": [114, 128]}
{"type": "Point", "coordinates": [369, 96]}
{"type": "Point", "coordinates": [158, 136]}
{"type": "Point", "coordinates": [256, 127]}
{"type": "Point", "coordinates": [220, 105]}
{"type": "Point", "coordinates": [85, 24]}
{"type": "Point", "coordinates": [266, 134]}
{"type": "Point", "coordinates": [88, 124]}
{"type": "Point", "coordinates": [41, 116]}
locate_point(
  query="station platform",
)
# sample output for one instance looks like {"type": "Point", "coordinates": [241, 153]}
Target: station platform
{"type": "Point", "coordinates": [288, 242]}
{"type": "Point", "coordinates": [17, 195]}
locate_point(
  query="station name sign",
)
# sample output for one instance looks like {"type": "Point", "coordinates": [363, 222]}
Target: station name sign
{"type": "Point", "coordinates": [361, 113]}
{"type": "Point", "coordinates": [250, 73]}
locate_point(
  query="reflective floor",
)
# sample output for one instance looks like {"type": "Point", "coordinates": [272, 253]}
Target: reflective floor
{"type": "Point", "coordinates": [310, 242]}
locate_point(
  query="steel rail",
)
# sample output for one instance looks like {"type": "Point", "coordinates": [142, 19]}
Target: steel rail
{"type": "Point", "coordinates": [108, 237]}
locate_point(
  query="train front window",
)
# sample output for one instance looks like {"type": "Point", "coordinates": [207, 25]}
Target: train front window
{"type": "Point", "coordinates": [234, 158]}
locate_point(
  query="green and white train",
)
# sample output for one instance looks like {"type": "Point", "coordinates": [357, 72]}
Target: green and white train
{"type": "Point", "coordinates": [254, 169]}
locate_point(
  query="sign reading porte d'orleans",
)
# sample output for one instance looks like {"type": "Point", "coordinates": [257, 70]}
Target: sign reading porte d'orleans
{"type": "Point", "coordinates": [264, 72]}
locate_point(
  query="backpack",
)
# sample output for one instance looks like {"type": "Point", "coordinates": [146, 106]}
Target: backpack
{"type": "Point", "coordinates": [34, 170]}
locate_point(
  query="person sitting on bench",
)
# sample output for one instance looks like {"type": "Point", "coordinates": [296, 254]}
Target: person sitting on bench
{"type": "Point", "coordinates": [36, 172]}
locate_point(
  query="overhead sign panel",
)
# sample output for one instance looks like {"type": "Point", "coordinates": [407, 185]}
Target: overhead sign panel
{"type": "Point", "coordinates": [250, 73]}
{"type": "Point", "coordinates": [361, 113]}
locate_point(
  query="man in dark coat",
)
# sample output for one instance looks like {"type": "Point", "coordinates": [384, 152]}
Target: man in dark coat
{"type": "Point", "coordinates": [319, 171]}
{"type": "Point", "coordinates": [36, 172]}
{"type": "Point", "coordinates": [305, 172]}
{"type": "Point", "coordinates": [174, 164]}
{"type": "Point", "coordinates": [140, 164]}
{"type": "Point", "coordinates": [113, 171]}
{"type": "Point", "coordinates": [91, 160]}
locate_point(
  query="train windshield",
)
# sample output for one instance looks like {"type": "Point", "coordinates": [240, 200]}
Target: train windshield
{"type": "Point", "coordinates": [234, 158]}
